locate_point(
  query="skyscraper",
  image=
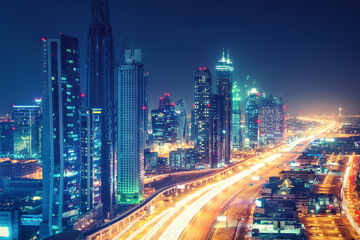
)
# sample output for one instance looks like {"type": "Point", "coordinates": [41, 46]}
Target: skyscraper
{"type": "Point", "coordinates": [252, 103]}
{"type": "Point", "coordinates": [101, 94]}
{"type": "Point", "coordinates": [224, 76]}
{"type": "Point", "coordinates": [217, 143]}
{"type": "Point", "coordinates": [27, 126]}
{"type": "Point", "coordinates": [165, 124]}
{"type": "Point", "coordinates": [180, 111]}
{"type": "Point", "coordinates": [131, 138]}
{"type": "Point", "coordinates": [271, 121]}
{"type": "Point", "coordinates": [202, 88]}
{"type": "Point", "coordinates": [90, 159]}
{"type": "Point", "coordinates": [236, 118]}
{"type": "Point", "coordinates": [61, 135]}
{"type": "Point", "coordinates": [6, 136]}
{"type": "Point", "coordinates": [146, 109]}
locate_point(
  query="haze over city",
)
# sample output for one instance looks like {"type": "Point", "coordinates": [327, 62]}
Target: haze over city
{"type": "Point", "coordinates": [292, 48]}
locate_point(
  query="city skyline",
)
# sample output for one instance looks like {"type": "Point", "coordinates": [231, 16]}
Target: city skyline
{"type": "Point", "coordinates": [280, 53]}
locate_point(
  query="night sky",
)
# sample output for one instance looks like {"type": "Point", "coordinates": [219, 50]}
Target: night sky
{"type": "Point", "coordinates": [308, 52]}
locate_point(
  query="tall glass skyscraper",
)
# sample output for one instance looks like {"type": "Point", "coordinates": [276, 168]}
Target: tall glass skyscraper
{"type": "Point", "coordinates": [90, 159]}
{"type": "Point", "coordinates": [236, 117]}
{"type": "Point", "coordinates": [27, 127]}
{"type": "Point", "coordinates": [224, 76]}
{"type": "Point", "coordinates": [252, 104]}
{"type": "Point", "coordinates": [131, 138]}
{"type": "Point", "coordinates": [61, 135]}
{"type": "Point", "coordinates": [217, 143]}
{"type": "Point", "coordinates": [202, 100]}
{"type": "Point", "coordinates": [101, 94]}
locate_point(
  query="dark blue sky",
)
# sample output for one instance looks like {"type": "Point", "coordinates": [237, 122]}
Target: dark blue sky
{"type": "Point", "coordinates": [307, 51]}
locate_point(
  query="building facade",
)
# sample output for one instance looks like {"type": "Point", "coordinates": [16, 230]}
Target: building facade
{"type": "Point", "coordinates": [202, 87]}
{"type": "Point", "coordinates": [90, 159]}
{"type": "Point", "coordinates": [224, 77]}
{"type": "Point", "coordinates": [27, 131]}
{"type": "Point", "coordinates": [236, 118]}
{"type": "Point", "coordinates": [61, 156]}
{"type": "Point", "coordinates": [252, 104]}
{"type": "Point", "coordinates": [271, 121]}
{"type": "Point", "coordinates": [217, 142]}
{"type": "Point", "coordinates": [101, 94]}
{"type": "Point", "coordinates": [131, 138]}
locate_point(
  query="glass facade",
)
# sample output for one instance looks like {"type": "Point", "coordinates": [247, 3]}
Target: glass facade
{"type": "Point", "coordinates": [203, 93]}
{"type": "Point", "coordinates": [224, 75]}
{"type": "Point", "coordinates": [61, 135]}
{"type": "Point", "coordinates": [236, 118]}
{"type": "Point", "coordinates": [90, 159]}
{"type": "Point", "coordinates": [27, 127]}
{"type": "Point", "coordinates": [252, 104]}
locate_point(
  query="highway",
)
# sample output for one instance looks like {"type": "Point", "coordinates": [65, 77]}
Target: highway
{"type": "Point", "coordinates": [170, 222]}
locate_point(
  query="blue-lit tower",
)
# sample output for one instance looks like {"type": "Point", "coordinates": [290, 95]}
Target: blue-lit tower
{"type": "Point", "coordinates": [131, 138]}
{"type": "Point", "coordinates": [202, 88]}
{"type": "Point", "coordinates": [61, 155]}
{"type": "Point", "coordinates": [236, 117]}
{"type": "Point", "coordinates": [101, 94]}
{"type": "Point", "coordinates": [27, 127]}
{"type": "Point", "coordinates": [252, 104]}
{"type": "Point", "coordinates": [224, 77]}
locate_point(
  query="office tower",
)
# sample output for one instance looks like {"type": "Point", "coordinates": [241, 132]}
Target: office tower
{"type": "Point", "coordinates": [236, 118]}
{"type": "Point", "coordinates": [146, 109]}
{"type": "Point", "coordinates": [192, 125]}
{"type": "Point", "coordinates": [202, 88]}
{"type": "Point", "coordinates": [131, 139]}
{"type": "Point", "coordinates": [224, 76]}
{"type": "Point", "coordinates": [165, 125]}
{"type": "Point", "coordinates": [217, 143]}
{"type": "Point", "coordinates": [6, 137]}
{"type": "Point", "coordinates": [101, 94]}
{"type": "Point", "coordinates": [61, 155]}
{"type": "Point", "coordinates": [180, 112]}
{"type": "Point", "coordinates": [27, 124]}
{"type": "Point", "coordinates": [271, 121]}
{"type": "Point", "coordinates": [252, 103]}
{"type": "Point", "coordinates": [90, 159]}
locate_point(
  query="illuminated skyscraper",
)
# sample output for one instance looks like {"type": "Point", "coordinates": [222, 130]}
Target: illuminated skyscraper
{"type": "Point", "coordinates": [165, 122]}
{"type": "Point", "coordinates": [101, 94]}
{"type": "Point", "coordinates": [202, 114]}
{"type": "Point", "coordinates": [131, 138]}
{"type": "Point", "coordinates": [61, 155]}
{"type": "Point", "coordinates": [27, 126]}
{"type": "Point", "coordinates": [146, 111]}
{"type": "Point", "coordinates": [236, 118]}
{"type": "Point", "coordinates": [271, 121]}
{"type": "Point", "coordinates": [252, 104]}
{"type": "Point", "coordinates": [6, 136]}
{"type": "Point", "coordinates": [180, 112]}
{"type": "Point", "coordinates": [90, 159]}
{"type": "Point", "coordinates": [217, 143]}
{"type": "Point", "coordinates": [224, 76]}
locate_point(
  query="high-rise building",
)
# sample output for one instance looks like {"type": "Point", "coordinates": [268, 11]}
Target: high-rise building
{"type": "Point", "coordinates": [180, 112]}
{"type": "Point", "coordinates": [27, 124]}
{"type": "Point", "coordinates": [202, 88]}
{"type": "Point", "coordinates": [271, 121]}
{"type": "Point", "coordinates": [217, 143]}
{"type": "Point", "coordinates": [252, 103]}
{"type": "Point", "coordinates": [165, 124]}
{"type": "Point", "coordinates": [224, 76]}
{"type": "Point", "coordinates": [131, 138]}
{"type": "Point", "coordinates": [6, 137]}
{"type": "Point", "coordinates": [146, 110]}
{"type": "Point", "coordinates": [236, 118]}
{"type": "Point", "coordinates": [90, 159]}
{"type": "Point", "coordinates": [101, 94]}
{"type": "Point", "coordinates": [61, 157]}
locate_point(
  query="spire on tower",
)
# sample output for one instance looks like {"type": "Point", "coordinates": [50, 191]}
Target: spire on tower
{"type": "Point", "coordinates": [100, 11]}
{"type": "Point", "coordinates": [223, 56]}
